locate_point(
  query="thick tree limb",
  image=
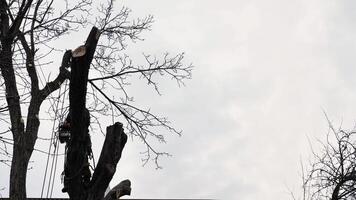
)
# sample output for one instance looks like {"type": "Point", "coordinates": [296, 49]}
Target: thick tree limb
{"type": "Point", "coordinates": [110, 155]}
{"type": "Point", "coordinates": [8, 73]}
{"type": "Point", "coordinates": [62, 76]}
{"type": "Point", "coordinates": [14, 28]}
{"type": "Point", "coordinates": [349, 177]}
{"type": "Point", "coordinates": [121, 189]}
{"type": "Point", "coordinates": [4, 19]}
{"type": "Point", "coordinates": [30, 65]}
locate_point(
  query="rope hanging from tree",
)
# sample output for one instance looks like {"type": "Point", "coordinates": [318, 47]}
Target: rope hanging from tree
{"type": "Point", "coordinates": [55, 144]}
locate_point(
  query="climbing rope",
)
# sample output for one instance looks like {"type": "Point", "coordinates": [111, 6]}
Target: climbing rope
{"type": "Point", "coordinates": [49, 150]}
{"type": "Point", "coordinates": [55, 143]}
{"type": "Point", "coordinates": [54, 140]}
{"type": "Point", "coordinates": [55, 158]}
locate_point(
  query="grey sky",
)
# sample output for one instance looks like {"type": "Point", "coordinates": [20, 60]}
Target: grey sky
{"type": "Point", "coordinates": [265, 71]}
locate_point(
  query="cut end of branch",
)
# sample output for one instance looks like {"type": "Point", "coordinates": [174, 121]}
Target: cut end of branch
{"type": "Point", "coordinates": [80, 51]}
{"type": "Point", "coordinates": [121, 189]}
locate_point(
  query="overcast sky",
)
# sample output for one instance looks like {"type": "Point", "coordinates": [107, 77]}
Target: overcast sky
{"type": "Point", "coordinates": [264, 73]}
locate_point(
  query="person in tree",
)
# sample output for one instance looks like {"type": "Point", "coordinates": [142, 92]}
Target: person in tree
{"type": "Point", "coordinates": [64, 137]}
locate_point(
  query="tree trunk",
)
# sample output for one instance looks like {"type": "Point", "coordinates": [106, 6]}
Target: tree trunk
{"type": "Point", "coordinates": [77, 154]}
{"type": "Point", "coordinates": [77, 158]}
{"type": "Point", "coordinates": [20, 156]}
{"type": "Point", "coordinates": [18, 172]}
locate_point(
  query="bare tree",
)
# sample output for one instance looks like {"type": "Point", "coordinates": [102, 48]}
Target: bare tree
{"type": "Point", "coordinates": [27, 31]}
{"type": "Point", "coordinates": [332, 171]}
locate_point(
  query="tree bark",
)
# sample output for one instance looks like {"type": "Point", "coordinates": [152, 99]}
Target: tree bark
{"type": "Point", "coordinates": [110, 155]}
{"type": "Point", "coordinates": [121, 189]}
{"type": "Point", "coordinates": [18, 171]}
{"type": "Point", "coordinates": [77, 155]}
{"type": "Point", "coordinates": [20, 157]}
{"type": "Point", "coordinates": [22, 151]}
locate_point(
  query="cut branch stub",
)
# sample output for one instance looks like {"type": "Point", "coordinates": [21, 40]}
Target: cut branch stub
{"type": "Point", "coordinates": [121, 189]}
{"type": "Point", "coordinates": [110, 155]}
{"type": "Point", "coordinates": [80, 51]}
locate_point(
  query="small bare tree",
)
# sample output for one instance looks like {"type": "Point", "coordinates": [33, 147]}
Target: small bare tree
{"type": "Point", "coordinates": [27, 31]}
{"type": "Point", "coordinates": [332, 172]}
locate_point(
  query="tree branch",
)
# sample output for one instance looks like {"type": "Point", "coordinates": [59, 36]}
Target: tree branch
{"type": "Point", "coordinates": [114, 144]}
{"type": "Point", "coordinates": [4, 19]}
{"type": "Point", "coordinates": [30, 64]}
{"type": "Point", "coordinates": [121, 189]}
{"type": "Point", "coordinates": [62, 76]}
{"type": "Point", "coordinates": [14, 29]}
